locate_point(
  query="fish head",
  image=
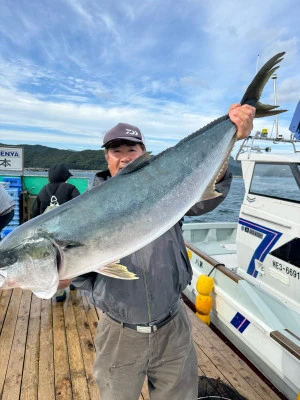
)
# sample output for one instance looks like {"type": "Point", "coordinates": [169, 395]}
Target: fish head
{"type": "Point", "coordinates": [30, 264]}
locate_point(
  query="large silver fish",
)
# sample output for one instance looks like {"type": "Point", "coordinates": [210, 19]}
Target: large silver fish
{"type": "Point", "coordinates": [111, 221]}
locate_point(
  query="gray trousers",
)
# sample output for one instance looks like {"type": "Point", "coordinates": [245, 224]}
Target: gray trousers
{"type": "Point", "coordinates": [124, 357]}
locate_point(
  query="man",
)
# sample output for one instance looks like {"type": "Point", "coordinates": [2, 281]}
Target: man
{"type": "Point", "coordinates": [144, 329]}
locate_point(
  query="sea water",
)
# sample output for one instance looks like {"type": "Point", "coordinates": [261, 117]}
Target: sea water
{"type": "Point", "coordinates": [229, 209]}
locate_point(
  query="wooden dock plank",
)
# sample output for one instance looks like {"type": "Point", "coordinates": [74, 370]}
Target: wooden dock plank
{"type": "Point", "coordinates": [29, 388]}
{"type": "Point", "coordinates": [7, 333]}
{"type": "Point", "coordinates": [145, 394]}
{"type": "Point", "coordinates": [4, 302]}
{"type": "Point", "coordinates": [46, 387]}
{"type": "Point", "coordinates": [77, 371]}
{"type": "Point", "coordinates": [247, 373]}
{"type": "Point", "coordinates": [86, 342]}
{"type": "Point", "coordinates": [61, 360]}
{"type": "Point", "coordinates": [47, 351]}
{"type": "Point", "coordinates": [92, 316]}
{"type": "Point", "coordinates": [201, 333]}
{"type": "Point", "coordinates": [13, 379]}
{"type": "Point", "coordinates": [224, 361]}
{"type": "Point", "coordinates": [206, 366]}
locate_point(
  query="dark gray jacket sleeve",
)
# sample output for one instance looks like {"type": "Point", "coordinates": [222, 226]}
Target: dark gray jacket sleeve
{"type": "Point", "coordinates": [205, 206]}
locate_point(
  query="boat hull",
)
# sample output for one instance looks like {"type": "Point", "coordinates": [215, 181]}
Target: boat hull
{"type": "Point", "coordinates": [249, 317]}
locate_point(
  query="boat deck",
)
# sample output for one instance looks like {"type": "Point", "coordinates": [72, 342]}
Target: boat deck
{"type": "Point", "coordinates": [47, 351]}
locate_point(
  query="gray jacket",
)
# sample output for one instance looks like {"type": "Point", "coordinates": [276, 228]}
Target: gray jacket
{"type": "Point", "coordinates": [163, 268]}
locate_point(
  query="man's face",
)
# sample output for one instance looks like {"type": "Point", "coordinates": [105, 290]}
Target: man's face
{"type": "Point", "coordinates": [121, 153]}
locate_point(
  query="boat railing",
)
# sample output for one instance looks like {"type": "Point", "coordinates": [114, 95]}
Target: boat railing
{"type": "Point", "coordinates": [248, 146]}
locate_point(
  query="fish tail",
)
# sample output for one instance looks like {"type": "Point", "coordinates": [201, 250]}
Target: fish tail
{"type": "Point", "coordinates": [254, 90]}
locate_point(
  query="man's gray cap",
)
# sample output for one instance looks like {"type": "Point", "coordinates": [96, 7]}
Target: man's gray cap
{"type": "Point", "coordinates": [125, 132]}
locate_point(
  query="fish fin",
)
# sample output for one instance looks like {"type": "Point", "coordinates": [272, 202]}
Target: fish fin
{"type": "Point", "coordinates": [136, 164]}
{"type": "Point", "coordinates": [254, 90]}
{"type": "Point", "coordinates": [118, 271]}
{"type": "Point", "coordinates": [210, 193]}
{"type": "Point", "coordinates": [263, 110]}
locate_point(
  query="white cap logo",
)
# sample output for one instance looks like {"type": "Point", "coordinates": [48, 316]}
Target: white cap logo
{"type": "Point", "coordinates": [131, 132]}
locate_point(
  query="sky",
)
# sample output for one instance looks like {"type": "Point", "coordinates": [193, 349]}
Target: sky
{"type": "Point", "coordinates": [72, 69]}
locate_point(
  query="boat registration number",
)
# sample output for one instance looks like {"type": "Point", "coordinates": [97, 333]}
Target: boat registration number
{"type": "Point", "coordinates": [288, 270]}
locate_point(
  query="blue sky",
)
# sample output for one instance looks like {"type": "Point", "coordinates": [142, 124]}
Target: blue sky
{"type": "Point", "coordinates": [72, 69]}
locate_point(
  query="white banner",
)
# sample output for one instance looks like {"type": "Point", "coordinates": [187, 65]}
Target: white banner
{"type": "Point", "coordinates": [11, 159]}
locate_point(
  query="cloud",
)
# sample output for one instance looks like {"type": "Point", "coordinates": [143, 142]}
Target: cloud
{"type": "Point", "coordinates": [69, 70]}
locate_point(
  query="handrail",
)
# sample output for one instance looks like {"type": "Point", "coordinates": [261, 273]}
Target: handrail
{"type": "Point", "coordinates": [230, 274]}
{"type": "Point", "coordinates": [286, 343]}
{"type": "Point", "coordinates": [249, 147]}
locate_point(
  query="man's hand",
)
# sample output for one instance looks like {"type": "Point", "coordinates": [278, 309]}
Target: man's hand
{"type": "Point", "coordinates": [63, 284]}
{"type": "Point", "coordinates": [242, 117]}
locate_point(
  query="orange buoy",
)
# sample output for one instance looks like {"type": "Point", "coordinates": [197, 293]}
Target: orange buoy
{"type": "Point", "coordinates": [203, 303]}
{"type": "Point", "coordinates": [205, 284]}
{"type": "Point", "coordinates": [204, 318]}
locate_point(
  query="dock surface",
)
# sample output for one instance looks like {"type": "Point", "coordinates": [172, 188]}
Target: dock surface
{"type": "Point", "coordinates": [47, 351]}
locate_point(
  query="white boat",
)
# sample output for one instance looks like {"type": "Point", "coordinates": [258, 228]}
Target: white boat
{"type": "Point", "coordinates": [255, 265]}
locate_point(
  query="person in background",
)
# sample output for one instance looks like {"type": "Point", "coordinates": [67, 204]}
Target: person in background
{"type": "Point", "coordinates": [63, 191]}
{"type": "Point", "coordinates": [7, 206]}
{"type": "Point", "coordinates": [58, 175]}
{"type": "Point", "coordinates": [144, 330]}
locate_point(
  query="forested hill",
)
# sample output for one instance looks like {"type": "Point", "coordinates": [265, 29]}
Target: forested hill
{"type": "Point", "coordinates": [42, 157]}
{"type": "Point", "coordinates": [235, 167]}
{"type": "Point", "coordinates": [37, 156]}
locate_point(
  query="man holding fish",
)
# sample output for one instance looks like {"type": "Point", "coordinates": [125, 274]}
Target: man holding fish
{"type": "Point", "coordinates": [144, 329]}
{"type": "Point", "coordinates": [132, 215]}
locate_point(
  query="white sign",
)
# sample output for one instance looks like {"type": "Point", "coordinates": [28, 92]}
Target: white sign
{"type": "Point", "coordinates": [11, 159]}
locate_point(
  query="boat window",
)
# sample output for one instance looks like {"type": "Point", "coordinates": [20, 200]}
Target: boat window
{"type": "Point", "coordinates": [289, 252]}
{"type": "Point", "coordinates": [280, 181]}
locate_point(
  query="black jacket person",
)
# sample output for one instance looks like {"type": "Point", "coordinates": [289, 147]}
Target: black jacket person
{"type": "Point", "coordinates": [57, 186]}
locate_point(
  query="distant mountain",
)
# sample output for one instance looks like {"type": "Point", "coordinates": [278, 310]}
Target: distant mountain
{"type": "Point", "coordinates": [37, 156]}
{"type": "Point", "coordinates": [235, 167]}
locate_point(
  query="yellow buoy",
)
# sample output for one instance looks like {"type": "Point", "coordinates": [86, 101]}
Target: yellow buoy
{"type": "Point", "coordinates": [205, 284]}
{"type": "Point", "coordinates": [203, 303]}
{"type": "Point", "coordinates": [189, 253]}
{"type": "Point", "coordinates": [204, 318]}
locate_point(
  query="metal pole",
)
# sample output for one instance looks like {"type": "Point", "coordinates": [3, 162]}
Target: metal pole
{"type": "Point", "coordinates": [274, 77]}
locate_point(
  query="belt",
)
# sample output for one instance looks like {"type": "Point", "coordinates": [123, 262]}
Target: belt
{"type": "Point", "coordinates": [151, 326]}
